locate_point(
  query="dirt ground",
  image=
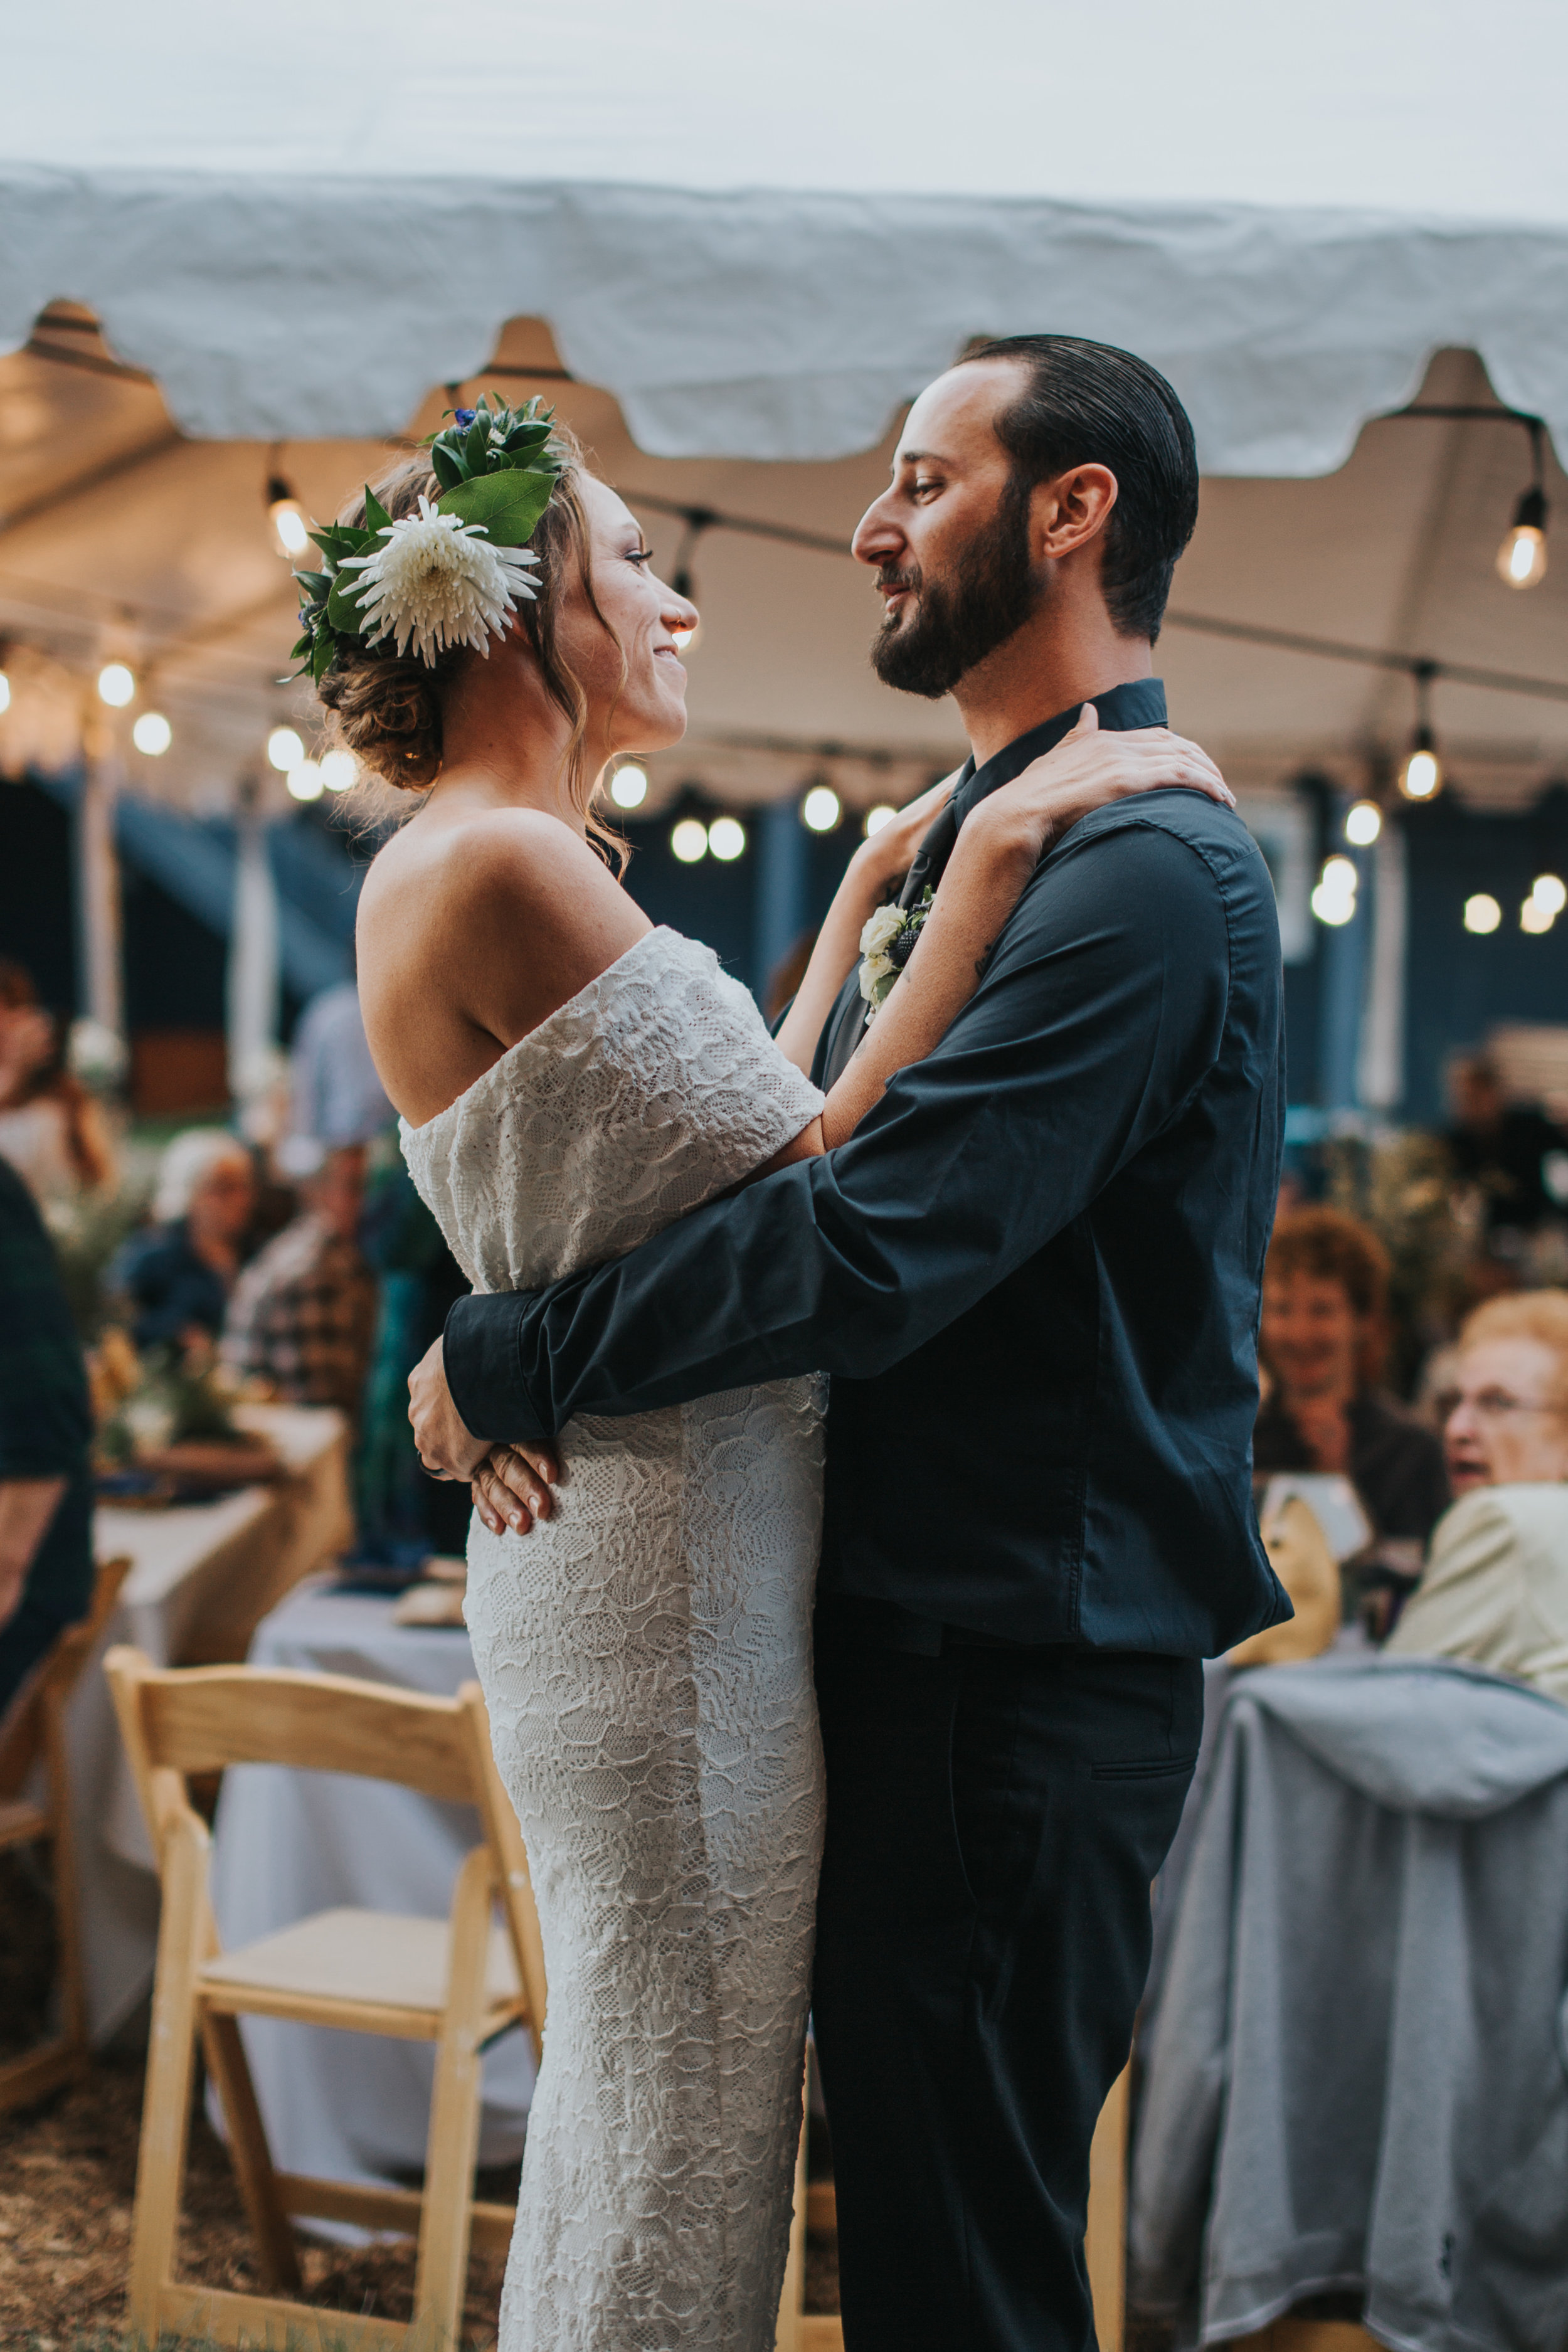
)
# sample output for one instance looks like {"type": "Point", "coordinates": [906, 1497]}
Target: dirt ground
{"type": "Point", "coordinates": [68, 2178]}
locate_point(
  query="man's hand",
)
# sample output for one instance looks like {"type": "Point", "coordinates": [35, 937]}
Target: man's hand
{"type": "Point", "coordinates": [446, 1448]}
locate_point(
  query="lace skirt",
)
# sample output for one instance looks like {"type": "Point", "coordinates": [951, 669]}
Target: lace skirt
{"type": "Point", "coordinates": [646, 1658]}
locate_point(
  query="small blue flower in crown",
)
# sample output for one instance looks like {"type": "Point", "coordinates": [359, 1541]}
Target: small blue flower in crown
{"type": "Point", "coordinates": [464, 417]}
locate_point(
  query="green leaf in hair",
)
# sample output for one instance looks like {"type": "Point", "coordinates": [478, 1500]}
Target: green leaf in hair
{"type": "Point", "coordinates": [509, 504]}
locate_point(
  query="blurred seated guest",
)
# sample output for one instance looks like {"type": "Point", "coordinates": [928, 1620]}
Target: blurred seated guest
{"type": "Point", "coordinates": [336, 1095]}
{"type": "Point", "coordinates": [1495, 1590]}
{"type": "Point", "coordinates": [1511, 1151]}
{"type": "Point", "coordinates": [1321, 1342]}
{"type": "Point", "coordinates": [303, 1312]}
{"type": "Point", "coordinates": [50, 1130]}
{"type": "Point", "coordinates": [45, 1434]}
{"type": "Point", "coordinates": [177, 1278]}
{"type": "Point", "coordinates": [402, 1512]}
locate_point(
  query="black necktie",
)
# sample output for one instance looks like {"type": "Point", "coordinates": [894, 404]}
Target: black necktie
{"type": "Point", "coordinates": [850, 1014]}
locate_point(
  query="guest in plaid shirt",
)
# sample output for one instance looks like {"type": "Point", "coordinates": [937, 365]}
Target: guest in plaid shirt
{"type": "Point", "coordinates": [303, 1312]}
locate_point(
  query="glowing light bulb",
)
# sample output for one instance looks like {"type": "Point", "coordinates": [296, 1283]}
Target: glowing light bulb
{"type": "Point", "coordinates": [340, 771]}
{"type": "Point", "coordinates": [287, 517]}
{"type": "Point", "coordinates": [689, 839]}
{"type": "Point", "coordinates": [727, 838]}
{"type": "Point", "coordinates": [152, 734]}
{"type": "Point", "coordinates": [1549, 891]}
{"type": "Point", "coordinates": [1334, 900]}
{"type": "Point", "coordinates": [116, 685]}
{"type": "Point", "coordinates": [876, 818]}
{"type": "Point", "coordinates": [1363, 824]}
{"type": "Point", "coordinates": [1534, 916]}
{"type": "Point", "coordinates": [5, 691]}
{"type": "Point", "coordinates": [1421, 778]}
{"type": "Point", "coordinates": [628, 786]}
{"type": "Point", "coordinates": [305, 780]}
{"type": "Point", "coordinates": [1482, 913]}
{"type": "Point", "coordinates": [284, 748]}
{"type": "Point", "coordinates": [1521, 558]}
{"type": "Point", "coordinates": [821, 809]}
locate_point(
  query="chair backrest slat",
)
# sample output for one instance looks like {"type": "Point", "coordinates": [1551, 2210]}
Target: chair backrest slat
{"type": "Point", "coordinates": [23, 1726]}
{"type": "Point", "coordinates": [200, 1719]}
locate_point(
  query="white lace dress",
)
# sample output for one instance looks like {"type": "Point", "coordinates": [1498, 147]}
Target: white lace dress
{"type": "Point", "coordinates": [646, 1659]}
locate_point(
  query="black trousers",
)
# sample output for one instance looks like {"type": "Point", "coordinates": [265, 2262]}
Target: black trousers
{"type": "Point", "coordinates": [995, 1818]}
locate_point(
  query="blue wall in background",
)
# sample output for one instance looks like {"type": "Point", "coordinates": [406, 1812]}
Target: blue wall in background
{"type": "Point", "coordinates": [718, 903]}
{"type": "Point", "coordinates": [1459, 983]}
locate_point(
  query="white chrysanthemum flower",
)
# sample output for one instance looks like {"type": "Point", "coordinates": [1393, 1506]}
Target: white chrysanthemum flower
{"type": "Point", "coordinates": [439, 581]}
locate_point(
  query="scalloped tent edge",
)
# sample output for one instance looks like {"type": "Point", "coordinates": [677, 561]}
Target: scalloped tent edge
{"type": "Point", "coordinates": [767, 324]}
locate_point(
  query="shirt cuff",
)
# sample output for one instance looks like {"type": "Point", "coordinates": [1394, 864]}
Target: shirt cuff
{"type": "Point", "coordinates": [479, 1354]}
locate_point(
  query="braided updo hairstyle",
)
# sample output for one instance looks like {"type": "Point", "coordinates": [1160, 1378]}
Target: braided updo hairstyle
{"type": "Point", "coordinates": [386, 707]}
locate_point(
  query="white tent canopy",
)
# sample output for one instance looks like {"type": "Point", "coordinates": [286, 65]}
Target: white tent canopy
{"type": "Point", "coordinates": [299, 217]}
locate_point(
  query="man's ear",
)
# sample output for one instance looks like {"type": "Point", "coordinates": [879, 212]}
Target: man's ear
{"type": "Point", "coordinates": [1070, 509]}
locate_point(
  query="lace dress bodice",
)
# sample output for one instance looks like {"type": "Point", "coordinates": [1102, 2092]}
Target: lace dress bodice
{"type": "Point", "coordinates": [655, 1088]}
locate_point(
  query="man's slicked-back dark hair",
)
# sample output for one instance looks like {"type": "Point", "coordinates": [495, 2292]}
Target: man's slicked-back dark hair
{"type": "Point", "coordinates": [1091, 404]}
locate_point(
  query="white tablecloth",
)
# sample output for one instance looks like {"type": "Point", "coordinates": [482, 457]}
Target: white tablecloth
{"type": "Point", "coordinates": [201, 1576]}
{"type": "Point", "coordinates": [350, 2106]}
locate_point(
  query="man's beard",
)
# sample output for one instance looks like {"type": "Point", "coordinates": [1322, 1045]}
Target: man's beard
{"type": "Point", "coordinates": [989, 592]}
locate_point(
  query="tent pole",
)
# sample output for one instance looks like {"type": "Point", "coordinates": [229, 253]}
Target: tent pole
{"type": "Point", "coordinates": [1381, 1065]}
{"type": "Point", "coordinates": [253, 966]}
{"type": "Point", "coordinates": [98, 877]}
{"type": "Point", "coordinates": [1343, 948]}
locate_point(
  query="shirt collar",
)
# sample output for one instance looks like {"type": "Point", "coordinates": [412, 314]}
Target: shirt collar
{"type": "Point", "coordinates": [1140, 703]}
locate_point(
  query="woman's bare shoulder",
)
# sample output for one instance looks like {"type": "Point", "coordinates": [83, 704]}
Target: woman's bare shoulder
{"type": "Point", "coordinates": [473, 931]}
{"type": "Point", "coordinates": [522, 854]}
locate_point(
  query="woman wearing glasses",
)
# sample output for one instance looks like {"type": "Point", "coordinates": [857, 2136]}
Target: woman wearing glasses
{"type": "Point", "coordinates": [1495, 1589]}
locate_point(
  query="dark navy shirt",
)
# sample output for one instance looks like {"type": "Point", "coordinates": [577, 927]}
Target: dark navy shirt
{"type": "Point", "coordinates": [46, 1430]}
{"type": "Point", "coordinates": [1033, 1271]}
{"type": "Point", "coordinates": [168, 1285]}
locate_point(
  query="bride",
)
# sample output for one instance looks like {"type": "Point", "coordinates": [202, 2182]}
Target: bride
{"type": "Point", "coordinates": [571, 1079]}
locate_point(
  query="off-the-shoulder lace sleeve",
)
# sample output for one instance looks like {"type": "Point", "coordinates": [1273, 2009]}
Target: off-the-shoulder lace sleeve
{"type": "Point", "coordinates": [654, 1088]}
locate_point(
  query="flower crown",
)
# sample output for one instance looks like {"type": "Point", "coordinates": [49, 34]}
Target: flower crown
{"type": "Point", "coordinates": [449, 574]}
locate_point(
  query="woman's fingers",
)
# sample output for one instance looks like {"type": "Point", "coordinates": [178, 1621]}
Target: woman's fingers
{"type": "Point", "coordinates": [519, 1483]}
{"type": "Point", "coordinates": [490, 1512]}
{"type": "Point", "coordinates": [498, 1505]}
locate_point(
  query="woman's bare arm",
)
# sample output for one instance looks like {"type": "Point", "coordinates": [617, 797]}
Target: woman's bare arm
{"type": "Point", "coordinates": [876, 868]}
{"type": "Point", "coordinates": [999, 848]}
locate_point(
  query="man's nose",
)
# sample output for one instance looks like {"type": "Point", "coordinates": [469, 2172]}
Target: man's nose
{"type": "Point", "coordinates": [878, 538]}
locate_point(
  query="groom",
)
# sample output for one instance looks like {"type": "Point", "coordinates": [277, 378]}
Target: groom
{"type": "Point", "coordinates": [1033, 1274]}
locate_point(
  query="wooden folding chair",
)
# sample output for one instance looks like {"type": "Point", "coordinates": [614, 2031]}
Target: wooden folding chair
{"type": "Point", "coordinates": [33, 1735]}
{"type": "Point", "coordinates": [457, 1982]}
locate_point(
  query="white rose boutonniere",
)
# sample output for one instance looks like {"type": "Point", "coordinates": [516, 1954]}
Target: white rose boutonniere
{"type": "Point", "coordinates": [887, 944]}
